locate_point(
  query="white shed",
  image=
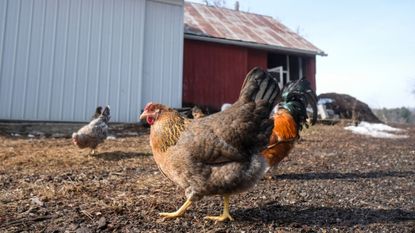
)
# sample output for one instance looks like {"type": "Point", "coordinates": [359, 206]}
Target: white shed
{"type": "Point", "coordinates": [59, 59]}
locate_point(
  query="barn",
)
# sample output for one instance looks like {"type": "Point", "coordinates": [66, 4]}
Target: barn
{"type": "Point", "coordinates": [221, 45]}
{"type": "Point", "coordinates": [59, 59]}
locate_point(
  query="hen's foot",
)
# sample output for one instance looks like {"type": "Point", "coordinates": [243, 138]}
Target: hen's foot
{"type": "Point", "coordinates": [225, 215]}
{"type": "Point", "coordinates": [221, 218]}
{"type": "Point", "coordinates": [171, 215]}
{"type": "Point", "coordinates": [179, 212]}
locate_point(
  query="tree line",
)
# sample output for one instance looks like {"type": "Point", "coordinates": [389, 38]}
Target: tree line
{"type": "Point", "coordinates": [401, 115]}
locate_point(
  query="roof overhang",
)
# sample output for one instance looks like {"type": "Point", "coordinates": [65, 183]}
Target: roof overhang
{"type": "Point", "coordinates": [253, 45]}
{"type": "Point", "coordinates": [172, 2]}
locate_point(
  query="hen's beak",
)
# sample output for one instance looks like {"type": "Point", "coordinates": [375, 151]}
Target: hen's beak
{"type": "Point", "coordinates": [143, 115]}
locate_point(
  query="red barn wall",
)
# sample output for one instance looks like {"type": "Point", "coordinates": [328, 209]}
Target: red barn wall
{"type": "Point", "coordinates": [257, 58]}
{"type": "Point", "coordinates": [213, 73]}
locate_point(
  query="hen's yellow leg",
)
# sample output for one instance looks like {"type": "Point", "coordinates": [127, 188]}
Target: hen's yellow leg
{"type": "Point", "coordinates": [179, 212]}
{"type": "Point", "coordinates": [225, 215]}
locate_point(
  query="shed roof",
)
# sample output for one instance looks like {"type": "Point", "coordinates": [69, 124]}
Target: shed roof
{"type": "Point", "coordinates": [242, 28]}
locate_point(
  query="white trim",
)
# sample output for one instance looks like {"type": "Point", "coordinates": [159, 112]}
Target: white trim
{"type": "Point", "coordinates": [171, 2]}
{"type": "Point", "coordinates": [280, 71]}
{"type": "Point", "coordinates": [288, 68]}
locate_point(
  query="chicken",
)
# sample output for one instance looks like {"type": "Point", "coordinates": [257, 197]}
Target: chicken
{"type": "Point", "coordinates": [197, 113]}
{"type": "Point", "coordinates": [290, 116]}
{"type": "Point", "coordinates": [95, 132]}
{"type": "Point", "coordinates": [97, 113]}
{"type": "Point", "coordinates": [218, 154]}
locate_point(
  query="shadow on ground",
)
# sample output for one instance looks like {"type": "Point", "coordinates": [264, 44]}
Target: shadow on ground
{"type": "Point", "coordinates": [336, 175]}
{"type": "Point", "coordinates": [317, 216]}
{"type": "Point", "coordinates": [118, 155]}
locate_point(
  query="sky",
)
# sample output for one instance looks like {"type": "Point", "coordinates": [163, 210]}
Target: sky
{"type": "Point", "coordinates": [370, 44]}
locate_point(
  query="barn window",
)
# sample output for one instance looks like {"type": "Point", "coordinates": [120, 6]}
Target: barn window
{"type": "Point", "coordinates": [280, 63]}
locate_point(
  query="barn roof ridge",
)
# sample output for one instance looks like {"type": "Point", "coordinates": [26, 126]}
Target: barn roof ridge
{"type": "Point", "coordinates": [229, 26]}
{"type": "Point", "coordinates": [229, 9]}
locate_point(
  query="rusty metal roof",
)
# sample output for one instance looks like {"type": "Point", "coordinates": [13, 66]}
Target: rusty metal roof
{"type": "Point", "coordinates": [242, 28]}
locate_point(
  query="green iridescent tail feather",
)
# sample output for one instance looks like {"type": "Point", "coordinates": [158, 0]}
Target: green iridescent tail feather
{"type": "Point", "coordinates": [295, 98]}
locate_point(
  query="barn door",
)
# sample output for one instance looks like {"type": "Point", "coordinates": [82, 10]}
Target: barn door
{"type": "Point", "coordinates": [281, 75]}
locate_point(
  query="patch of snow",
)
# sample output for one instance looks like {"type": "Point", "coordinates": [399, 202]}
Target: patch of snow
{"type": "Point", "coordinates": [58, 135]}
{"type": "Point", "coordinates": [111, 137]}
{"type": "Point", "coordinates": [37, 133]}
{"type": "Point", "coordinates": [376, 130]}
{"type": "Point", "coordinates": [129, 133]}
{"type": "Point", "coordinates": [15, 135]}
{"type": "Point", "coordinates": [379, 127]}
{"type": "Point", "coordinates": [30, 135]}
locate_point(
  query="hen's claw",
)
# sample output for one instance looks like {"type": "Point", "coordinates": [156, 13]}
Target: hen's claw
{"type": "Point", "coordinates": [221, 218]}
{"type": "Point", "coordinates": [225, 215]}
{"type": "Point", "coordinates": [179, 212]}
{"type": "Point", "coordinates": [171, 215]}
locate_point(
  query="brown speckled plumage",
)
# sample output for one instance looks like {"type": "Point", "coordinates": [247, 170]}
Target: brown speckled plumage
{"type": "Point", "coordinates": [220, 153]}
{"type": "Point", "coordinates": [168, 129]}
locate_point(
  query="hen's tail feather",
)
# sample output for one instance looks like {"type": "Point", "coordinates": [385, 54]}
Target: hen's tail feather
{"type": "Point", "coordinates": [105, 114]}
{"type": "Point", "coordinates": [106, 111]}
{"type": "Point", "coordinates": [97, 113]}
{"type": "Point", "coordinates": [259, 85]}
{"type": "Point", "coordinates": [295, 98]}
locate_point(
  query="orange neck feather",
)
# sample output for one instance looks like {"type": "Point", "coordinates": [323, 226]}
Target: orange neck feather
{"type": "Point", "coordinates": [282, 139]}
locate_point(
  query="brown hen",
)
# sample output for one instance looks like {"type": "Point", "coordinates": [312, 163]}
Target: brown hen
{"type": "Point", "coordinates": [218, 154]}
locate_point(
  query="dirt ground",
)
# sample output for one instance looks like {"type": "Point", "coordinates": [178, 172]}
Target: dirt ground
{"type": "Point", "coordinates": [334, 181]}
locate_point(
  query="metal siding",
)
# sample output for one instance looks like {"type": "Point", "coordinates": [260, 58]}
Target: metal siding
{"type": "Point", "coordinates": [162, 79]}
{"type": "Point", "coordinates": [59, 59]}
{"type": "Point", "coordinates": [9, 56]}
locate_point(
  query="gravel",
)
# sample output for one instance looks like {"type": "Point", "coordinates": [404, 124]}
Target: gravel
{"type": "Point", "coordinates": [333, 181]}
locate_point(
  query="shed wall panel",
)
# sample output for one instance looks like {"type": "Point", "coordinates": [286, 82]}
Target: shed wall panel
{"type": "Point", "coordinates": [59, 59]}
{"type": "Point", "coordinates": [162, 79]}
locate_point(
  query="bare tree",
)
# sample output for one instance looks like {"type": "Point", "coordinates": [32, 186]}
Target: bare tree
{"type": "Point", "coordinates": [300, 31]}
{"type": "Point", "coordinates": [413, 85]}
{"type": "Point", "coordinates": [216, 3]}
{"type": "Point", "coordinates": [237, 5]}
